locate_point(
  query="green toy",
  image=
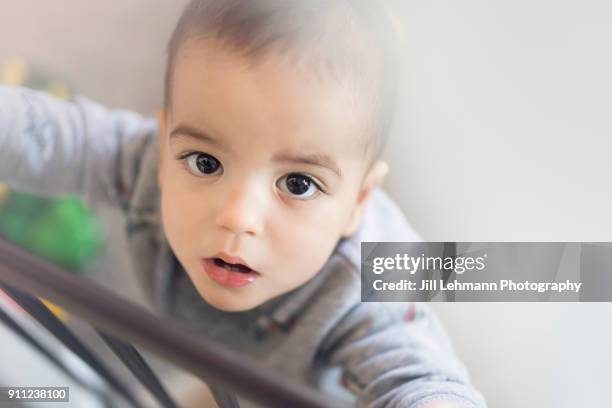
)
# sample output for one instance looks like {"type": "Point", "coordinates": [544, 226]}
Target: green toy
{"type": "Point", "coordinates": [63, 231]}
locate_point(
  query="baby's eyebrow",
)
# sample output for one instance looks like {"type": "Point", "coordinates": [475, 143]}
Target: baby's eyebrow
{"type": "Point", "coordinates": [321, 160]}
{"type": "Point", "coordinates": [190, 131]}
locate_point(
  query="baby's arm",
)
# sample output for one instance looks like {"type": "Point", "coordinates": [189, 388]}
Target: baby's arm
{"type": "Point", "coordinates": [52, 147]}
{"type": "Point", "coordinates": [395, 357]}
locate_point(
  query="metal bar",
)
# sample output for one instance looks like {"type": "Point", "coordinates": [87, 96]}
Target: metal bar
{"type": "Point", "coordinates": [49, 321]}
{"type": "Point", "coordinates": [31, 340]}
{"type": "Point", "coordinates": [213, 362]}
{"type": "Point", "coordinates": [43, 350]}
{"type": "Point", "coordinates": [224, 399]}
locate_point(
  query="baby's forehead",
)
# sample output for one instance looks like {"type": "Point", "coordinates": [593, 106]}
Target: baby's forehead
{"type": "Point", "coordinates": [349, 45]}
{"type": "Point", "coordinates": [273, 99]}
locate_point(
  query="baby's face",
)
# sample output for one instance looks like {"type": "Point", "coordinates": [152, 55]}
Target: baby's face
{"type": "Point", "coordinates": [261, 162]}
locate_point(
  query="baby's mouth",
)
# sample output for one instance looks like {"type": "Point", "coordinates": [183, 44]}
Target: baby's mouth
{"type": "Point", "coordinates": [232, 267]}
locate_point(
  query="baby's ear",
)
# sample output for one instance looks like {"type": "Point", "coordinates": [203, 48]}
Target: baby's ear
{"type": "Point", "coordinates": [372, 180]}
{"type": "Point", "coordinates": [161, 122]}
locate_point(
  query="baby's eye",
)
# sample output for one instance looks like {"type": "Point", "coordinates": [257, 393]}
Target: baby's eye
{"type": "Point", "coordinates": [300, 186]}
{"type": "Point", "coordinates": [202, 164]}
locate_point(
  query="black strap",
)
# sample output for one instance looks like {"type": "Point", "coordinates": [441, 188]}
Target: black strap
{"type": "Point", "coordinates": [134, 361]}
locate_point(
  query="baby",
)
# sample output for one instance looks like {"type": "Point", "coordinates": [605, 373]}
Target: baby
{"type": "Point", "coordinates": [247, 199]}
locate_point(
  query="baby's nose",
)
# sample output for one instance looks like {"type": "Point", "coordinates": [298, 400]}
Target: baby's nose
{"type": "Point", "coordinates": [240, 212]}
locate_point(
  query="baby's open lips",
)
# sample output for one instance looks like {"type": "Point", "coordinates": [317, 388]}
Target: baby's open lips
{"type": "Point", "coordinates": [234, 264]}
{"type": "Point", "coordinates": [232, 267]}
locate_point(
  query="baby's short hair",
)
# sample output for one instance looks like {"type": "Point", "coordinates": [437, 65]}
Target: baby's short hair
{"type": "Point", "coordinates": [345, 39]}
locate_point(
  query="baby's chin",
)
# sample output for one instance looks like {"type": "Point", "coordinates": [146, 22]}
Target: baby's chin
{"type": "Point", "coordinates": [226, 301]}
{"type": "Point", "coordinates": [228, 306]}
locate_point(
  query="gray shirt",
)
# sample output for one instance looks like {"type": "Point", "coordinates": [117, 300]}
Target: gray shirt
{"type": "Point", "coordinates": [387, 354]}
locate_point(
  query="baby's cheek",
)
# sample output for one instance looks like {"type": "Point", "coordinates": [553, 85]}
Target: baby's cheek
{"type": "Point", "coordinates": [169, 224]}
{"type": "Point", "coordinates": [175, 219]}
{"type": "Point", "coordinates": [311, 248]}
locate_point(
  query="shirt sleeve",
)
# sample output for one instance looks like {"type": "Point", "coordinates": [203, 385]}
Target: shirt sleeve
{"type": "Point", "coordinates": [397, 355]}
{"type": "Point", "coordinates": [52, 147]}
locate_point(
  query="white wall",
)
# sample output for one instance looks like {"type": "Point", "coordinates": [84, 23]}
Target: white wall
{"type": "Point", "coordinates": [504, 130]}
{"type": "Point", "coordinates": [503, 134]}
